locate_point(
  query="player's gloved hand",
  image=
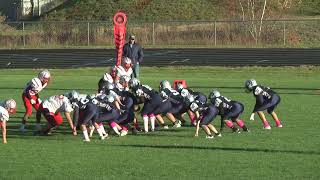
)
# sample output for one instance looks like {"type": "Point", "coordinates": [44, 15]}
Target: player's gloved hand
{"type": "Point", "coordinates": [252, 117]}
{"type": "Point", "coordinates": [32, 101]}
{"type": "Point", "coordinates": [39, 101]}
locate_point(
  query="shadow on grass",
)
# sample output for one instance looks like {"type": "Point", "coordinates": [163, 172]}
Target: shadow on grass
{"type": "Point", "coordinates": [222, 149]}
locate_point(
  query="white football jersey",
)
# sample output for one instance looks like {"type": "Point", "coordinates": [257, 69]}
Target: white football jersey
{"type": "Point", "coordinates": [58, 103]}
{"type": "Point", "coordinates": [33, 87]}
{"type": "Point", "coordinates": [4, 115]}
{"type": "Point", "coordinates": [122, 72]}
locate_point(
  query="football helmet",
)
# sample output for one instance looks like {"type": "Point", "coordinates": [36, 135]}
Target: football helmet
{"type": "Point", "coordinates": [10, 105]}
{"type": "Point", "coordinates": [165, 84]}
{"type": "Point", "coordinates": [44, 76]}
{"type": "Point", "coordinates": [134, 82]}
{"type": "Point", "coordinates": [214, 94]}
{"type": "Point", "coordinates": [249, 84]}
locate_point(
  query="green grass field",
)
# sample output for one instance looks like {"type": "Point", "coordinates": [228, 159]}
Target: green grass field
{"type": "Point", "coordinates": [292, 152]}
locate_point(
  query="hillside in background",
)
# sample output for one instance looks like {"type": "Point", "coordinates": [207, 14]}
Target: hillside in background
{"type": "Point", "coordinates": [168, 10]}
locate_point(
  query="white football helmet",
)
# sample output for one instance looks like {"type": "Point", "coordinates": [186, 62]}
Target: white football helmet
{"type": "Point", "coordinates": [44, 75]}
{"type": "Point", "coordinates": [214, 94]}
{"type": "Point", "coordinates": [107, 77]}
{"type": "Point", "coordinates": [119, 87]}
{"type": "Point", "coordinates": [134, 82]}
{"type": "Point", "coordinates": [10, 105]}
{"type": "Point", "coordinates": [165, 84]}
{"type": "Point", "coordinates": [127, 60]}
{"type": "Point", "coordinates": [185, 93]}
{"type": "Point", "coordinates": [249, 84]}
{"type": "Point", "coordinates": [179, 87]}
{"type": "Point", "coordinates": [72, 95]}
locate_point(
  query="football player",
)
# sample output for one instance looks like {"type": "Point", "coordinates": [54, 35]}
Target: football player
{"type": "Point", "coordinates": [30, 96]}
{"type": "Point", "coordinates": [205, 114]}
{"type": "Point", "coordinates": [185, 92]}
{"type": "Point", "coordinates": [172, 103]}
{"type": "Point", "coordinates": [108, 112]}
{"type": "Point", "coordinates": [125, 70]}
{"type": "Point", "coordinates": [6, 108]}
{"type": "Point", "coordinates": [152, 101]}
{"type": "Point", "coordinates": [266, 99]}
{"type": "Point", "coordinates": [52, 107]}
{"type": "Point", "coordinates": [106, 79]}
{"type": "Point", "coordinates": [85, 113]}
{"type": "Point", "coordinates": [228, 110]}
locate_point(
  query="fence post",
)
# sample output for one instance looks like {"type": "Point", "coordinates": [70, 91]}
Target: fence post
{"type": "Point", "coordinates": [215, 33]}
{"type": "Point", "coordinates": [153, 34]}
{"type": "Point", "coordinates": [24, 35]}
{"type": "Point", "coordinates": [88, 35]}
{"type": "Point", "coordinates": [284, 33]}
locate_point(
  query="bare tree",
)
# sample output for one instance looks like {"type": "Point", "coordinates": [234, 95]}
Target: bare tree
{"type": "Point", "coordinates": [252, 13]}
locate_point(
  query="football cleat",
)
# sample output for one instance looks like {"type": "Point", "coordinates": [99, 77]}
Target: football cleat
{"type": "Point", "coordinates": [209, 137]}
{"type": "Point", "coordinates": [104, 137]}
{"type": "Point", "coordinates": [86, 140]}
{"type": "Point", "coordinates": [177, 124]}
{"type": "Point", "coordinates": [166, 127]}
{"type": "Point", "coordinates": [237, 131]}
{"type": "Point", "coordinates": [267, 127]}
{"type": "Point", "coordinates": [123, 133]}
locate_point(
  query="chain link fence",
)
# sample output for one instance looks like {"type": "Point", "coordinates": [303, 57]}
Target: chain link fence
{"type": "Point", "coordinates": [271, 33]}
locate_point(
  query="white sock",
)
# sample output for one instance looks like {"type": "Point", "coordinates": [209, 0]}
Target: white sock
{"type": "Point", "coordinates": [116, 130]}
{"type": "Point", "coordinates": [91, 131]}
{"type": "Point", "coordinates": [85, 135]}
{"type": "Point", "coordinates": [100, 132]}
{"type": "Point", "coordinates": [152, 120]}
{"type": "Point", "coordinates": [145, 123]}
{"type": "Point", "coordinates": [103, 130]}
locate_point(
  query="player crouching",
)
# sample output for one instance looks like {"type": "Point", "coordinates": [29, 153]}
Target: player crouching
{"type": "Point", "coordinates": [204, 114]}
{"type": "Point", "coordinates": [7, 107]}
{"type": "Point", "coordinates": [51, 109]}
{"type": "Point", "coordinates": [229, 111]}
{"type": "Point", "coordinates": [266, 99]}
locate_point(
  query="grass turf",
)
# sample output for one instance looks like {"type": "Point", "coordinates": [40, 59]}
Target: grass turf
{"type": "Point", "coordinates": [292, 152]}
